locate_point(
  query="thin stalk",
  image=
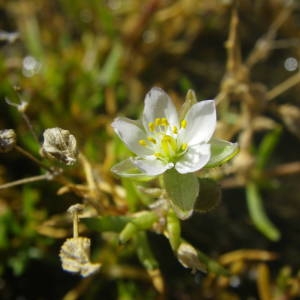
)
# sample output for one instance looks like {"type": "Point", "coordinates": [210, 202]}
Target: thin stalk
{"type": "Point", "coordinates": [32, 158]}
{"type": "Point", "coordinates": [46, 176]}
{"type": "Point", "coordinates": [75, 224]}
{"type": "Point", "coordinates": [284, 86]}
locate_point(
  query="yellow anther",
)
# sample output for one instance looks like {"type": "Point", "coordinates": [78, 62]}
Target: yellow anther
{"type": "Point", "coordinates": [157, 121]}
{"type": "Point", "coordinates": [164, 122]}
{"type": "Point", "coordinates": [184, 146]}
{"type": "Point", "coordinates": [151, 139]}
{"type": "Point", "coordinates": [175, 130]}
{"type": "Point", "coordinates": [151, 126]}
{"type": "Point", "coordinates": [183, 123]}
{"type": "Point", "coordinates": [142, 142]}
{"type": "Point", "coordinates": [166, 138]}
{"type": "Point", "coordinates": [157, 154]}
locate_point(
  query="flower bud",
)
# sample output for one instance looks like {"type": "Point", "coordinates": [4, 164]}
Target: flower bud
{"type": "Point", "coordinates": [7, 140]}
{"type": "Point", "coordinates": [59, 144]}
{"type": "Point", "coordinates": [187, 255]}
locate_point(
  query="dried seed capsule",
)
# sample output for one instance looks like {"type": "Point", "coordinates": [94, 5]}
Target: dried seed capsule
{"type": "Point", "coordinates": [75, 256]}
{"type": "Point", "coordinates": [7, 140]}
{"type": "Point", "coordinates": [59, 144]}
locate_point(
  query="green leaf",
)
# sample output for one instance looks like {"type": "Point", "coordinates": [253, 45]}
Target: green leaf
{"type": "Point", "coordinates": [110, 71]}
{"type": "Point", "coordinates": [209, 195]}
{"type": "Point", "coordinates": [141, 221]}
{"type": "Point", "coordinates": [144, 251]}
{"type": "Point", "coordinates": [267, 147]}
{"type": "Point", "coordinates": [221, 152]}
{"type": "Point", "coordinates": [258, 214]}
{"type": "Point", "coordinates": [182, 190]}
{"type": "Point", "coordinates": [173, 229]}
{"type": "Point", "coordinates": [106, 223]}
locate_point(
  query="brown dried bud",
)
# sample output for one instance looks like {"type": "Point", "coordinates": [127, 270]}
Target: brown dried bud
{"type": "Point", "coordinates": [75, 256]}
{"type": "Point", "coordinates": [290, 115]}
{"type": "Point", "coordinates": [59, 144]}
{"type": "Point", "coordinates": [7, 140]}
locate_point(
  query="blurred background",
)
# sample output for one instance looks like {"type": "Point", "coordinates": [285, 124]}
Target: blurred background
{"type": "Point", "coordinates": [79, 64]}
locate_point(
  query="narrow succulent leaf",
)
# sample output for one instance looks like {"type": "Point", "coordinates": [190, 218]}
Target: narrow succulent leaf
{"type": "Point", "coordinates": [144, 251]}
{"type": "Point", "coordinates": [142, 221]}
{"type": "Point", "coordinates": [212, 265]}
{"type": "Point", "coordinates": [173, 230]}
{"type": "Point", "coordinates": [145, 219]}
{"type": "Point", "coordinates": [221, 152]}
{"type": "Point", "coordinates": [267, 146]}
{"type": "Point", "coordinates": [129, 231]}
{"type": "Point", "coordinates": [182, 190]}
{"type": "Point", "coordinates": [258, 214]}
{"type": "Point", "coordinates": [106, 223]}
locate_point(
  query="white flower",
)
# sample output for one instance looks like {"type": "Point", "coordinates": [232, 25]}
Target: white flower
{"type": "Point", "coordinates": [162, 141]}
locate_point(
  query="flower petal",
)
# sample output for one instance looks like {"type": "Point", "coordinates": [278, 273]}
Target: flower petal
{"type": "Point", "coordinates": [159, 105]}
{"type": "Point", "coordinates": [130, 133]}
{"type": "Point", "coordinates": [201, 123]}
{"type": "Point", "coordinates": [127, 168]}
{"type": "Point", "coordinates": [194, 159]}
{"type": "Point", "coordinates": [152, 167]}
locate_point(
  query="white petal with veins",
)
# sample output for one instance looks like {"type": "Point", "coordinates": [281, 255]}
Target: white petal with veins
{"type": "Point", "coordinates": [130, 133]}
{"type": "Point", "coordinates": [159, 105]}
{"type": "Point", "coordinates": [152, 167]}
{"type": "Point", "coordinates": [194, 159]}
{"type": "Point", "coordinates": [201, 123]}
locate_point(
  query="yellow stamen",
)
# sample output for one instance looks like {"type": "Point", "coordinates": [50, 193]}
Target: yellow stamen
{"type": "Point", "coordinates": [157, 154]}
{"type": "Point", "coordinates": [151, 126]}
{"type": "Point", "coordinates": [166, 138]}
{"type": "Point", "coordinates": [151, 139]}
{"type": "Point", "coordinates": [164, 122]}
{"type": "Point", "coordinates": [183, 123]}
{"type": "Point", "coordinates": [142, 142]}
{"type": "Point", "coordinates": [175, 130]}
{"type": "Point", "coordinates": [184, 146]}
{"type": "Point", "coordinates": [157, 121]}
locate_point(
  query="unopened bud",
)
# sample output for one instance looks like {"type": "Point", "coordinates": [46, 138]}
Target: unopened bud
{"type": "Point", "coordinates": [59, 144]}
{"type": "Point", "coordinates": [188, 256]}
{"type": "Point", "coordinates": [7, 140]}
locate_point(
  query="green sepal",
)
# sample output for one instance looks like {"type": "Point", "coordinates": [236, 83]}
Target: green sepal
{"type": "Point", "coordinates": [221, 152]}
{"type": "Point", "coordinates": [127, 168]}
{"type": "Point", "coordinates": [190, 100]}
{"type": "Point", "coordinates": [182, 191]}
{"type": "Point", "coordinates": [209, 197]}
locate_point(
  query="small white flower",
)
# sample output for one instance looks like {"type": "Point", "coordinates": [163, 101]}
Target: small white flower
{"type": "Point", "coordinates": [162, 141]}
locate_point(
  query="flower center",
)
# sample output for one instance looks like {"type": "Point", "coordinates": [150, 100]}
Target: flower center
{"type": "Point", "coordinates": [163, 140]}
